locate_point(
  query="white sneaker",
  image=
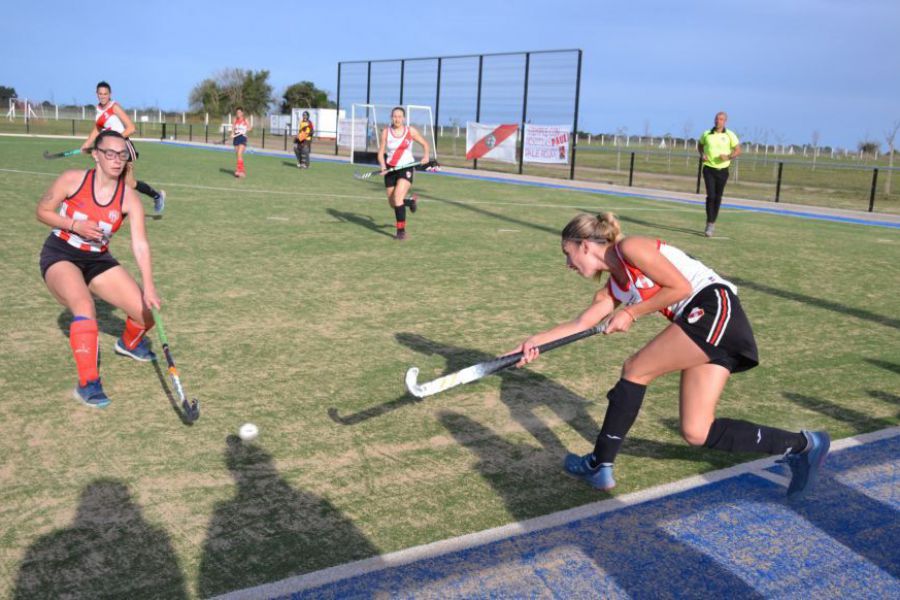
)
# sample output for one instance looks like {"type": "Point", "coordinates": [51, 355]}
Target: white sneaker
{"type": "Point", "coordinates": [710, 227]}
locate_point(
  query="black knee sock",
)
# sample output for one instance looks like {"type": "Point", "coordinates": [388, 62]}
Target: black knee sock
{"type": "Point", "coordinates": [625, 401]}
{"type": "Point", "coordinates": [400, 215]}
{"type": "Point", "coordinates": [732, 435]}
{"type": "Point", "coordinates": [144, 188]}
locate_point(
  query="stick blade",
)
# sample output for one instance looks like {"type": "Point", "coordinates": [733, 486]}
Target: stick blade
{"type": "Point", "coordinates": [49, 156]}
{"type": "Point", "coordinates": [412, 385]}
{"type": "Point", "coordinates": [191, 409]}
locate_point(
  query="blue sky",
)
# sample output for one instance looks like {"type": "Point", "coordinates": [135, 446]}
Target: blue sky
{"type": "Point", "coordinates": [788, 67]}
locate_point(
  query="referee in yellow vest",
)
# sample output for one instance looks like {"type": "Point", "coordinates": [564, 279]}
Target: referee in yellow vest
{"type": "Point", "coordinates": [717, 147]}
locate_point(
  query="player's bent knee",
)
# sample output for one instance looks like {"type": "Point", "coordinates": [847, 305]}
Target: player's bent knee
{"type": "Point", "coordinates": [693, 436]}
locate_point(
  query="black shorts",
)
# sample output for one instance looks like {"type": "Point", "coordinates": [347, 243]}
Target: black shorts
{"type": "Point", "coordinates": [716, 322]}
{"type": "Point", "coordinates": [132, 152]}
{"type": "Point", "coordinates": [239, 140]}
{"type": "Point", "coordinates": [91, 263]}
{"type": "Point", "coordinates": [390, 180]}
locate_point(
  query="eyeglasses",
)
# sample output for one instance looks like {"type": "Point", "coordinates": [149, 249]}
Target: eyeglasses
{"type": "Point", "coordinates": [124, 155]}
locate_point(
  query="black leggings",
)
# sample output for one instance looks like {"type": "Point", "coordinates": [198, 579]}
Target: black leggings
{"type": "Point", "coordinates": [715, 180]}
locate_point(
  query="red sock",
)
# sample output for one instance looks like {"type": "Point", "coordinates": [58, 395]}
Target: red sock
{"type": "Point", "coordinates": [401, 225]}
{"type": "Point", "coordinates": [83, 339]}
{"type": "Point", "coordinates": [240, 166]}
{"type": "Point", "coordinates": [133, 334]}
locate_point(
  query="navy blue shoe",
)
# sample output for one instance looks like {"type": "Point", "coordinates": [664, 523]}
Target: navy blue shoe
{"type": "Point", "coordinates": [805, 465]}
{"type": "Point", "coordinates": [141, 352]}
{"type": "Point", "coordinates": [91, 394]}
{"type": "Point", "coordinates": [600, 478]}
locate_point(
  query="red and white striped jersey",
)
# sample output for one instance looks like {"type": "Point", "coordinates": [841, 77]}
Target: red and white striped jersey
{"type": "Point", "coordinates": [398, 148]}
{"type": "Point", "coordinates": [83, 206]}
{"type": "Point", "coordinates": [640, 287]}
{"type": "Point", "coordinates": [107, 118]}
{"type": "Point", "coordinates": [240, 126]}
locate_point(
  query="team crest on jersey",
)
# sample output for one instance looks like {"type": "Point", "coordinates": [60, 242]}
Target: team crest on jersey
{"type": "Point", "coordinates": [113, 216]}
{"type": "Point", "coordinates": [695, 315]}
{"type": "Point", "coordinates": [642, 283]}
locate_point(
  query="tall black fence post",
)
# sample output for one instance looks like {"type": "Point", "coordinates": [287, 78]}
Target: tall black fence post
{"type": "Point", "coordinates": [285, 135]}
{"type": "Point", "coordinates": [73, 127]}
{"type": "Point", "coordinates": [176, 130]}
{"type": "Point", "coordinates": [338, 112]}
{"type": "Point", "coordinates": [778, 182]}
{"type": "Point", "coordinates": [402, 74]}
{"type": "Point", "coordinates": [163, 132]}
{"type": "Point", "coordinates": [699, 173]}
{"type": "Point", "coordinates": [524, 113]}
{"type": "Point", "coordinates": [264, 138]}
{"type": "Point", "coordinates": [478, 101]}
{"type": "Point", "coordinates": [575, 124]}
{"type": "Point", "coordinates": [206, 133]}
{"type": "Point", "coordinates": [631, 170]}
{"type": "Point", "coordinates": [141, 128]}
{"type": "Point", "coordinates": [872, 192]}
{"type": "Point", "coordinates": [437, 105]}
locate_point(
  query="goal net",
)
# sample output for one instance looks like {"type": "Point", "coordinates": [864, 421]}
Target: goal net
{"type": "Point", "coordinates": [361, 133]}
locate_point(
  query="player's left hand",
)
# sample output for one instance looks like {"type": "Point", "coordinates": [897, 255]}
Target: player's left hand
{"type": "Point", "coordinates": [619, 322]}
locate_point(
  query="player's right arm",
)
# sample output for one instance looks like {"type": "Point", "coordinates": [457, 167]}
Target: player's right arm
{"type": "Point", "coordinates": [602, 305]}
{"type": "Point", "coordinates": [88, 145]}
{"type": "Point", "coordinates": [381, 147]}
{"type": "Point", "coordinates": [48, 207]}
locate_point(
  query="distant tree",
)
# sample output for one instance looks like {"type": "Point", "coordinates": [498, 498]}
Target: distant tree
{"type": "Point", "coordinates": [815, 147]}
{"type": "Point", "coordinates": [231, 88]}
{"type": "Point", "coordinates": [889, 136]}
{"type": "Point", "coordinates": [304, 94]}
{"type": "Point", "coordinates": [868, 147]}
{"type": "Point", "coordinates": [6, 93]}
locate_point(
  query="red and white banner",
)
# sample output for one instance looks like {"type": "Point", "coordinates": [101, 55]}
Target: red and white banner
{"type": "Point", "coordinates": [496, 142]}
{"type": "Point", "coordinates": [547, 143]}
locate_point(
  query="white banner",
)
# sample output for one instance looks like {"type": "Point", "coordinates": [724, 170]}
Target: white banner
{"type": "Point", "coordinates": [347, 129]}
{"type": "Point", "coordinates": [496, 142]}
{"type": "Point", "coordinates": [547, 143]}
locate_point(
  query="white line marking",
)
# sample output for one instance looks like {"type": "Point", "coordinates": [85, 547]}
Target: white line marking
{"type": "Point", "coordinates": [277, 218]}
{"type": "Point", "coordinates": [473, 540]}
{"type": "Point", "coordinates": [508, 230]}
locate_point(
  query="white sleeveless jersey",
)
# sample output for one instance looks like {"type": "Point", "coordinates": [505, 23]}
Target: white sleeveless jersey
{"type": "Point", "coordinates": [640, 287]}
{"type": "Point", "coordinates": [394, 142]}
{"type": "Point", "coordinates": [107, 119]}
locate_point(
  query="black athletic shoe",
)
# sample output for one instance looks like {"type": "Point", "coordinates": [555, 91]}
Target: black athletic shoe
{"type": "Point", "coordinates": [401, 235]}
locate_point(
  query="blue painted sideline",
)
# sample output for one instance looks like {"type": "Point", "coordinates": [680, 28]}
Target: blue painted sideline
{"type": "Point", "coordinates": [560, 186]}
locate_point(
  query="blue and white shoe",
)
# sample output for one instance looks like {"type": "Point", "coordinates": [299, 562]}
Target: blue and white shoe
{"type": "Point", "coordinates": [600, 478]}
{"type": "Point", "coordinates": [159, 203]}
{"type": "Point", "coordinates": [91, 394]}
{"type": "Point", "coordinates": [141, 352]}
{"type": "Point", "coordinates": [805, 465]}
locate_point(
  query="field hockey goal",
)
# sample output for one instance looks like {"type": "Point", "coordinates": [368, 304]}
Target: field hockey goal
{"type": "Point", "coordinates": [361, 133]}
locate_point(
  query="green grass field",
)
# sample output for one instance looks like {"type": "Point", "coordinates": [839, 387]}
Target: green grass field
{"type": "Point", "coordinates": [287, 304]}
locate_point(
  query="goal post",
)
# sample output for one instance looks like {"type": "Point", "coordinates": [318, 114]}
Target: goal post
{"type": "Point", "coordinates": [362, 132]}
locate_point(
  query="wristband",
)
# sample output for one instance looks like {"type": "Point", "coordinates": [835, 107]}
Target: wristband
{"type": "Point", "coordinates": [630, 314]}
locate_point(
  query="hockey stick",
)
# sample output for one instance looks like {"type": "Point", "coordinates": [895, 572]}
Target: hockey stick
{"type": "Point", "coordinates": [476, 372]}
{"type": "Point", "coordinates": [65, 154]}
{"type": "Point", "coordinates": [431, 165]}
{"type": "Point", "coordinates": [191, 409]}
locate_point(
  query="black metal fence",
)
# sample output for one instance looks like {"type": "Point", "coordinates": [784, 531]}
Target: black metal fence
{"type": "Point", "coordinates": [540, 87]}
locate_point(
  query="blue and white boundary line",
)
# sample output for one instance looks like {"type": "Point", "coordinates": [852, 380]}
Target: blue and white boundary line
{"type": "Point", "coordinates": [760, 468]}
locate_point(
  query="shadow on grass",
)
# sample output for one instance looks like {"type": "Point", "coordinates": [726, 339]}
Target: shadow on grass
{"type": "Point", "coordinates": [522, 391]}
{"type": "Point", "coordinates": [481, 211]}
{"type": "Point", "coordinates": [228, 172]}
{"type": "Point", "coordinates": [364, 221]}
{"type": "Point", "coordinates": [107, 320]}
{"type": "Point", "coordinates": [652, 225]}
{"type": "Point", "coordinates": [841, 309]}
{"type": "Point", "coordinates": [860, 422]}
{"type": "Point", "coordinates": [109, 551]}
{"type": "Point", "coordinates": [883, 364]}
{"type": "Point", "coordinates": [269, 531]}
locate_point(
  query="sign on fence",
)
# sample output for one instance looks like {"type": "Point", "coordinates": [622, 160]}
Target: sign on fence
{"type": "Point", "coordinates": [547, 143]}
{"type": "Point", "coordinates": [496, 142]}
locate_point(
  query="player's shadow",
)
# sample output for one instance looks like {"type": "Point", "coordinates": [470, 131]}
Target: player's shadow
{"type": "Point", "coordinates": [269, 531]}
{"type": "Point", "coordinates": [229, 172]}
{"type": "Point", "coordinates": [364, 221]}
{"type": "Point", "coordinates": [108, 321]}
{"type": "Point", "coordinates": [841, 309]}
{"type": "Point", "coordinates": [109, 551]}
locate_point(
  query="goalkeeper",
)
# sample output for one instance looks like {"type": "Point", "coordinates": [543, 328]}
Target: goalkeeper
{"type": "Point", "coordinates": [303, 141]}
